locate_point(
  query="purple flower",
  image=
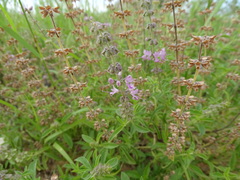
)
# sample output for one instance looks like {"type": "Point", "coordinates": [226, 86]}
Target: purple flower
{"type": "Point", "coordinates": [147, 55]}
{"type": "Point", "coordinates": [110, 81]}
{"type": "Point", "coordinates": [106, 24]}
{"type": "Point", "coordinates": [160, 54]}
{"type": "Point", "coordinates": [88, 18]}
{"type": "Point", "coordinates": [118, 83]}
{"type": "Point", "coordinates": [134, 94]}
{"type": "Point", "coordinates": [114, 91]}
{"type": "Point", "coordinates": [129, 79]}
{"type": "Point", "coordinates": [130, 86]}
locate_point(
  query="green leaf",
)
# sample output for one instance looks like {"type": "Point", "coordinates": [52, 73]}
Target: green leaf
{"type": "Point", "coordinates": [233, 160]}
{"type": "Point", "coordinates": [88, 139]}
{"type": "Point", "coordinates": [63, 153]}
{"type": "Point", "coordinates": [196, 170]}
{"type": "Point", "coordinates": [201, 129]}
{"type": "Point", "coordinates": [124, 176]}
{"type": "Point", "coordinates": [226, 173]}
{"type": "Point", "coordinates": [96, 158]}
{"type": "Point", "coordinates": [33, 168]}
{"type": "Point", "coordinates": [68, 140]}
{"type": "Point", "coordinates": [140, 128]}
{"type": "Point", "coordinates": [203, 156]}
{"type": "Point", "coordinates": [146, 171]}
{"type": "Point", "coordinates": [65, 128]}
{"type": "Point", "coordinates": [109, 145]}
{"type": "Point", "coordinates": [116, 132]}
{"type": "Point", "coordinates": [113, 162]}
{"type": "Point", "coordinates": [84, 161]}
{"type": "Point", "coordinates": [127, 158]}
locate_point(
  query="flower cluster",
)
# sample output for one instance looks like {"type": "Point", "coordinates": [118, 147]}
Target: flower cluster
{"type": "Point", "coordinates": [158, 57]}
{"type": "Point", "coordinates": [129, 82]}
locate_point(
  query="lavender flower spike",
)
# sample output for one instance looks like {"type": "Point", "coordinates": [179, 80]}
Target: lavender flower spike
{"type": "Point", "coordinates": [147, 55]}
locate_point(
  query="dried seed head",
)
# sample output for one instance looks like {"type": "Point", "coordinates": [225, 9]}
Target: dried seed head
{"type": "Point", "coordinates": [77, 87]}
{"type": "Point", "coordinates": [132, 53]}
{"type": "Point", "coordinates": [70, 70]}
{"type": "Point", "coordinates": [35, 83]}
{"type": "Point", "coordinates": [104, 38]}
{"type": "Point", "coordinates": [53, 32]}
{"type": "Point", "coordinates": [114, 69]}
{"type": "Point", "coordinates": [63, 52]}
{"type": "Point", "coordinates": [206, 11]}
{"type": "Point", "coordinates": [179, 115]}
{"type": "Point", "coordinates": [236, 62]}
{"type": "Point", "coordinates": [28, 72]}
{"type": "Point", "coordinates": [48, 10]}
{"type": "Point", "coordinates": [92, 114]}
{"type": "Point", "coordinates": [235, 77]}
{"type": "Point", "coordinates": [204, 62]}
{"type": "Point", "coordinates": [121, 15]}
{"type": "Point", "coordinates": [110, 51]}
{"type": "Point", "coordinates": [204, 40]}
{"type": "Point", "coordinates": [12, 41]}
{"type": "Point", "coordinates": [182, 100]}
{"type": "Point", "coordinates": [21, 62]}
{"type": "Point", "coordinates": [135, 68]}
{"type": "Point", "coordinates": [86, 101]}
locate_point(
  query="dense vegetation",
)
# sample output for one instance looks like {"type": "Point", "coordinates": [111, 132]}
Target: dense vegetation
{"type": "Point", "coordinates": [146, 90]}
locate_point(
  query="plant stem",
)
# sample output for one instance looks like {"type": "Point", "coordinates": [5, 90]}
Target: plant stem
{"type": "Point", "coordinates": [176, 43]}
